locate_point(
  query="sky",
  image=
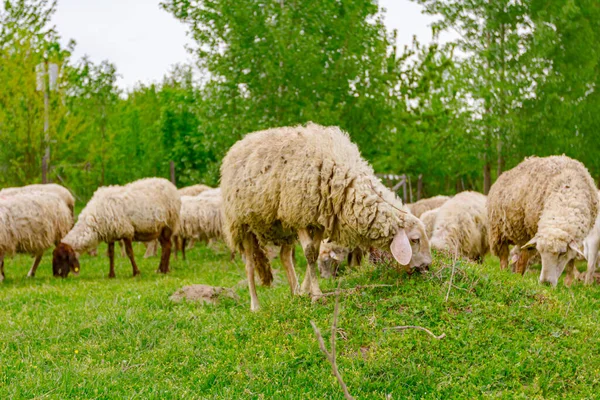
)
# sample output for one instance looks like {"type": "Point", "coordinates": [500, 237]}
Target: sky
{"type": "Point", "coordinates": [144, 41]}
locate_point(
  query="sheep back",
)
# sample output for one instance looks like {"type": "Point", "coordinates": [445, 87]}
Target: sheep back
{"type": "Point", "coordinates": [424, 205]}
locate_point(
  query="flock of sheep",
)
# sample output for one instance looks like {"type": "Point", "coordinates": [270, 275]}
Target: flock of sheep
{"type": "Point", "coordinates": [310, 183]}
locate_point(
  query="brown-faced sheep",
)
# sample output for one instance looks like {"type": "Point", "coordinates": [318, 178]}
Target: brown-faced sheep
{"type": "Point", "coordinates": [423, 205]}
{"type": "Point", "coordinates": [32, 222]}
{"type": "Point", "coordinates": [461, 226]}
{"type": "Point", "coordinates": [428, 218]}
{"type": "Point", "coordinates": [547, 203]}
{"type": "Point", "coordinates": [63, 193]}
{"type": "Point", "coordinates": [331, 255]}
{"type": "Point", "coordinates": [310, 182]}
{"type": "Point", "coordinates": [141, 211]}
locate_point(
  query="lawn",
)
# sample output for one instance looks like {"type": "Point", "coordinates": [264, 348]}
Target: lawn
{"type": "Point", "coordinates": [92, 337]}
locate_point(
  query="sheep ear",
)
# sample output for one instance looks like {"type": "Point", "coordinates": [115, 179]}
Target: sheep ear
{"type": "Point", "coordinates": [400, 248]}
{"type": "Point", "coordinates": [573, 246]}
{"type": "Point", "coordinates": [530, 245]}
{"type": "Point", "coordinates": [334, 256]}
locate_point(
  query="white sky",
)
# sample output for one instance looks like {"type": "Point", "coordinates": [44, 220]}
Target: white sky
{"type": "Point", "coordinates": [144, 41]}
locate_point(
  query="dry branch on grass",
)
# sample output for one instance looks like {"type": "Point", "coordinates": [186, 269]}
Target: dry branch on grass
{"type": "Point", "coordinates": [404, 327]}
{"type": "Point", "coordinates": [330, 356]}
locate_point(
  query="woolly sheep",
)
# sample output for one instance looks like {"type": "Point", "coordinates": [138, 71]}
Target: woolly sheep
{"type": "Point", "coordinates": [533, 257]}
{"type": "Point", "coordinates": [549, 204]}
{"type": "Point", "coordinates": [461, 226]}
{"type": "Point", "coordinates": [423, 205]}
{"type": "Point", "coordinates": [591, 246]}
{"type": "Point", "coordinates": [428, 218]}
{"type": "Point", "coordinates": [193, 190]}
{"type": "Point", "coordinates": [139, 211]}
{"type": "Point", "coordinates": [201, 217]}
{"type": "Point", "coordinates": [32, 222]}
{"type": "Point", "coordinates": [310, 182]}
{"type": "Point", "coordinates": [60, 191]}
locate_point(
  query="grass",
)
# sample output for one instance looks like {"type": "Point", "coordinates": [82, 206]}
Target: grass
{"type": "Point", "coordinates": [90, 337]}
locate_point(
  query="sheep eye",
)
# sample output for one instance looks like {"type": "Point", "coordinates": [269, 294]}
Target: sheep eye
{"type": "Point", "coordinates": [414, 241]}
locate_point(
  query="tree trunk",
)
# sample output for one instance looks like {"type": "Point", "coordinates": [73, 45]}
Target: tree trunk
{"type": "Point", "coordinates": [420, 187]}
{"type": "Point", "coordinates": [172, 172]}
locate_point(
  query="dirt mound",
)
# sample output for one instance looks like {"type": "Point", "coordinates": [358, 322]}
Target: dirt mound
{"type": "Point", "coordinates": [203, 293]}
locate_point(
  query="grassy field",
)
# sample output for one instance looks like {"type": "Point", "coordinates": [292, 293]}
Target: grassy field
{"type": "Point", "coordinates": [90, 337]}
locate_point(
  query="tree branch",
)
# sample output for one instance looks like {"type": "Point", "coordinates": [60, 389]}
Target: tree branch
{"type": "Point", "coordinates": [404, 327]}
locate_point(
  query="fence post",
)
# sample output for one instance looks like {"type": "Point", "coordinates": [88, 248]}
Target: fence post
{"type": "Point", "coordinates": [172, 170]}
{"type": "Point", "coordinates": [420, 187]}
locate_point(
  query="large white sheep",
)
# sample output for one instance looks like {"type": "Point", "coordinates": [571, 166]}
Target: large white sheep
{"type": "Point", "coordinates": [60, 191]}
{"type": "Point", "coordinates": [419, 207]}
{"type": "Point", "coordinates": [461, 226]}
{"type": "Point", "coordinates": [310, 183]}
{"type": "Point", "coordinates": [201, 217]}
{"type": "Point", "coordinates": [141, 211]}
{"type": "Point", "coordinates": [549, 204]}
{"type": "Point", "coordinates": [591, 246]}
{"type": "Point", "coordinates": [193, 190]}
{"type": "Point", "coordinates": [32, 222]}
{"type": "Point", "coordinates": [428, 218]}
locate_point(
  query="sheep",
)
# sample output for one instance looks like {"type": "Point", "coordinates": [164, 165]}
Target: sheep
{"type": "Point", "coordinates": [428, 218]}
{"type": "Point", "coordinates": [547, 203]}
{"type": "Point", "coordinates": [310, 182]}
{"type": "Point", "coordinates": [423, 205]}
{"type": "Point", "coordinates": [139, 211]}
{"type": "Point", "coordinates": [193, 190]}
{"type": "Point", "coordinates": [591, 246]}
{"type": "Point", "coordinates": [63, 193]}
{"type": "Point", "coordinates": [331, 256]}
{"type": "Point", "coordinates": [32, 222]}
{"type": "Point", "coordinates": [533, 257]}
{"type": "Point", "coordinates": [461, 226]}
{"type": "Point", "coordinates": [200, 217]}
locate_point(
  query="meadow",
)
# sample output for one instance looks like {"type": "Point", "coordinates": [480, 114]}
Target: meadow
{"type": "Point", "coordinates": [97, 338]}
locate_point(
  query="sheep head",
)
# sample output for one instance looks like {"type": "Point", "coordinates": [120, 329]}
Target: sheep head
{"type": "Point", "coordinates": [64, 260]}
{"type": "Point", "coordinates": [555, 258]}
{"type": "Point", "coordinates": [410, 245]}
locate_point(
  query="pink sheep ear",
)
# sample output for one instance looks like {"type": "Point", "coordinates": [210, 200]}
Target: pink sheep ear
{"type": "Point", "coordinates": [400, 248]}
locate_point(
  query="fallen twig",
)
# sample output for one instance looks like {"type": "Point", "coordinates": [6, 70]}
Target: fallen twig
{"type": "Point", "coordinates": [452, 276]}
{"type": "Point", "coordinates": [330, 356]}
{"type": "Point", "coordinates": [404, 327]}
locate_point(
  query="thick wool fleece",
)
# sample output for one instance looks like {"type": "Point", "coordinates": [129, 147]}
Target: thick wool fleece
{"type": "Point", "coordinates": [32, 222]}
{"type": "Point", "coordinates": [202, 216]}
{"type": "Point", "coordinates": [421, 206]}
{"type": "Point", "coordinates": [193, 190]}
{"type": "Point", "coordinates": [553, 198]}
{"type": "Point", "coordinates": [136, 211]}
{"type": "Point", "coordinates": [461, 225]}
{"type": "Point", "coordinates": [53, 188]}
{"type": "Point", "coordinates": [278, 181]}
{"type": "Point", "coordinates": [428, 218]}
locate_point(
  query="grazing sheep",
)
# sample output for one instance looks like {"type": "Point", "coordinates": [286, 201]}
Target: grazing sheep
{"type": "Point", "coordinates": [591, 246]}
{"type": "Point", "coordinates": [461, 226]}
{"type": "Point", "coordinates": [32, 222]}
{"type": "Point", "coordinates": [423, 205]}
{"type": "Point", "coordinates": [331, 255]}
{"type": "Point", "coordinates": [63, 193]}
{"type": "Point", "coordinates": [139, 211]}
{"type": "Point", "coordinates": [310, 182]}
{"type": "Point", "coordinates": [549, 204]}
{"type": "Point", "coordinates": [428, 218]}
{"type": "Point", "coordinates": [201, 217]}
{"type": "Point", "coordinates": [515, 253]}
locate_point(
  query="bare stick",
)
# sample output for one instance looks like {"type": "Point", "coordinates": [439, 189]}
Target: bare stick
{"type": "Point", "coordinates": [331, 356]}
{"type": "Point", "coordinates": [452, 276]}
{"type": "Point", "coordinates": [381, 197]}
{"type": "Point", "coordinates": [404, 327]}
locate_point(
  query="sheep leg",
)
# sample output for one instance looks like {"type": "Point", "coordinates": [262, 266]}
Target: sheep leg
{"type": "Point", "coordinates": [151, 249]}
{"type": "Point", "coordinates": [183, 244]}
{"type": "Point", "coordinates": [165, 253]}
{"type": "Point", "coordinates": [248, 250]}
{"type": "Point", "coordinates": [570, 272]}
{"type": "Point", "coordinates": [122, 247]}
{"type": "Point", "coordinates": [34, 267]}
{"type": "Point", "coordinates": [310, 245]}
{"type": "Point", "coordinates": [503, 255]}
{"type": "Point", "coordinates": [129, 251]}
{"type": "Point", "coordinates": [1, 267]}
{"type": "Point", "coordinates": [592, 256]}
{"type": "Point", "coordinates": [111, 258]}
{"type": "Point", "coordinates": [287, 260]}
{"type": "Point", "coordinates": [521, 264]}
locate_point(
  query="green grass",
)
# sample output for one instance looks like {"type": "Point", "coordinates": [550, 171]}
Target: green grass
{"type": "Point", "coordinates": [91, 337]}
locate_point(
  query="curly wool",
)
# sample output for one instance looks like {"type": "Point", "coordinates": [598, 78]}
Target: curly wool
{"type": "Point", "coordinates": [53, 188]}
{"type": "Point", "coordinates": [140, 209]}
{"type": "Point", "coordinates": [32, 222]}
{"type": "Point", "coordinates": [278, 181]}
{"type": "Point", "coordinates": [193, 190]}
{"type": "Point", "coordinates": [553, 198]}
{"type": "Point", "coordinates": [461, 225]}
{"type": "Point", "coordinates": [418, 208]}
{"type": "Point", "coordinates": [201, 216]}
